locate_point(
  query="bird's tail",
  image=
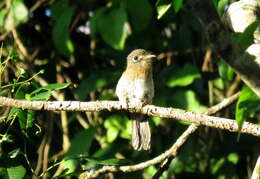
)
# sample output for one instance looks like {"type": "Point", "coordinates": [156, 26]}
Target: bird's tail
{"type": "Point", "coordinates": [141, 135]}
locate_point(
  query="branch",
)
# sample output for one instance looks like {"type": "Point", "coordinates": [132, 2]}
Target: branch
{"type": "Point", "coordinates": [256, 172]}
{"type": "Point", "coordinates": [130, 168]}
{"type": "Point", "coordinates": [166, 156]}
{"type": "Point", "coordinates": [151, 110]}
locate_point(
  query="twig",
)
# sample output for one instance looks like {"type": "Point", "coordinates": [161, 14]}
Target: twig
{"type": "Point", "coordinates": [130, 168]}
{"type": "Point", "coordinates": [209, 111]}
{"type": "Point", "coordinates": [20, 45]}
{"type": "Point", "coordinates": [151, 110]}
{"type": "Point", "coordinates": [46, 150]}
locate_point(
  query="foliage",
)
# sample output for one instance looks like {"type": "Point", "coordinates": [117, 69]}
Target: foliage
{"type": "Point", "coordinates": [76, 50]}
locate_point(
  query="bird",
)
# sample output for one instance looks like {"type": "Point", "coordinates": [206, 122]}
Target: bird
{"type": "Point", "coordinates": [136, 87]}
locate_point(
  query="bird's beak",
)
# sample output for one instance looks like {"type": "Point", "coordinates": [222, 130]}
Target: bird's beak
{"type": "Point", "coordinates": [150, 56]}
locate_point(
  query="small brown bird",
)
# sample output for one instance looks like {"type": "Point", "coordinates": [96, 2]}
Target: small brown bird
{"type": "Point", "coordinates": [136, 87]}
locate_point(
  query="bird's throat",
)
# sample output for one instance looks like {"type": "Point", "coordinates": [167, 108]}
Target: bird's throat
{"type": "Point", "coordinates": [138, 72]}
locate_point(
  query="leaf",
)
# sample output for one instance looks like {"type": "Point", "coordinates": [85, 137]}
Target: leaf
{"type": "Point", "coordinates": [248, 103]}
{"type": "Point", "coordinates": [218, 83]}
{"type": "Point", "coordinates": [140, 12]}
{"type": "Point", "coordinates": [81, 142]}
{"type": "Point", "coordinates": [177, 4]}
{"type": "Point", "coordinates": [111, 161]}
{"type": "Point", "coordinates": [69, 165]}
{"type": "Point", "coordinates": [233, 158]}
{"type": "Point", "coordinates": [225, 71]}
{"type": "Point", "coordinates": [60, 33]}
{"type": "Point", "coordinates": [96, 80]}
{"type": "Point", "coordinates": [41, 96]}
{"type": "Point", "coordinates": [216, 164]}
{"type": "Point", "coordinates": [16, 172]}
{"type": "Point", "coordinates": [184, 76]}
{"type": "Point", "coordinates": [51, 87]}
{"type": "Point", "coordinates": [14, 153]}
{"type": "Point", "coordinates": [15, 15]}
{"type": "Point", "coordinates": [111, 26]}
{"type": "Point", "coordinates": [30, 118]}
{"type": "Point", "coordinates": [112, 134]}
{"type": "Point", "coordinates": [162, 6]}
{"type": "Point", "coordinates": [246, 38]}
{"type": "Point", "coordinates": [44, 92]}
{"type": "Point", "coordinates": [186, 99]}
{"type": "Point", "coordinates": [116, 124]}
{"type": "Point", "coordinates": [221, 5]}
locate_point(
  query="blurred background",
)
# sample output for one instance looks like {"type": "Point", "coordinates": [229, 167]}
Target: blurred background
{"type": "Point", "coordinates": [76, 50]}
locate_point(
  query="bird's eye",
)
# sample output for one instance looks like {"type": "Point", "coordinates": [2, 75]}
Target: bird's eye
{"type": "Point", "coordinates": [135, 59]}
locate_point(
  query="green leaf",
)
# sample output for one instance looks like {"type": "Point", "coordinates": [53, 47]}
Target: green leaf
{"type": "Point", "coordinates": [81, 142]}
{"type": "Point", "coordinates": [109, 150]}
{"type": "Point", "coordinates": [248, 103]}
{"type": "Point", "coordinates": [112, 27]}
{"type": "Point", "coordinates": [14, 153]}
{"type": "Point", "coordinates": [183, 76]}
{"type": "Point", "coordinates": [177, 4]}
{"type": "Point", "coordinates": [51, 87]}
{"type": "Point", "coordinates": [221, 5]}
{"type": "Point", "coordinates": [162, 6]}
{"type": "Point", "coordinates": [186, 99]}
{"type": "Point", "coordinates": [30, 118]}
{"type": "Point", "coordinates": [79, 146]}
{"type": "Point", "coordinates": [116, 124]}
{"type": "Point", "coordinates": [216, 164]}
{"type": "Point", "coordinates": [62, 15]}
{"type": "Point", "coordinates": [112, 134]}
{"type": "Point", "coordinates": [111, 161]}
{"type": "Point", "coordinates": [69, 165]}
{"type": "Point", "coordinates": [21, 115]}
{"type": "Point", "coordinates": [140, 12]}
{"type": "Point", "coordinates": [15, 15]}
{"type": "Point", "coordinates": [225, 71]}
{"type": "Point", "coordinates": [218, 83]}
{"type": "Point", "coordinates": [233, 158]}
{"type": "Point", "coordinates": [246, 38]}
{"type": "Point", "coordinates": [16, 172]}
{"type": "Point", "coordinates": [96, 80]}
{"type": "Point", "coordinates": [41, 96]}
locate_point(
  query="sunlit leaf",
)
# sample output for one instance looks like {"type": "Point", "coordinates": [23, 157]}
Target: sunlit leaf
{"type": "Point", "coordinates": [62, 15]}
{"type": "Point", "coordinates": [51, 87]}
{"type": "Point", "coordinates": [116, 125]}
{"type": "Point", "coordinates": [225, 71]}
{"type": "Point", "coordinates": [162, 6]}
{"type": "Point", "coordinates": [246, 38]}
{"type": "Point", "coordinates": [14, 153]}
{"type": "Point", "coordinates": [248, 103]}
{"type": "Point", "coordinates": [112, 27]}
{"type": "Point", "coordinates": [69, 165]}
{"type": "Point", "coordinates": [41, 96]}
{"type": "Point", "coordinates": [186, 99]}
{"type": "Point", "coordinates": [15, 15]}
{"type": "Point", "coordinates": [233, 157]}
{"type": "Point", "coordinates": [183, 76]}
{"type": "Point", "coordinates": [111, 161]}
{"type": "Point", "coordinates": [216, 164]}
{"type": "Point", "coordinates": [16, 172]}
